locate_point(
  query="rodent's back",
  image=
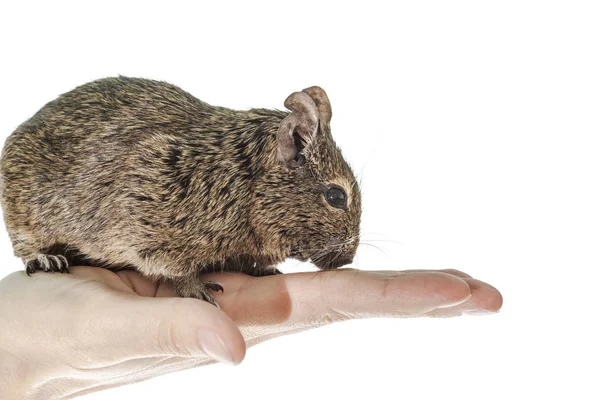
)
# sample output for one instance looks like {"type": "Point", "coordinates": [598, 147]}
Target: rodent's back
{"type": "Point", "coordinates": [87, 137]}
{"type": "Point", "coordinates": [114, 110]}
{"type": "Point", "coordinates": [112, 113]}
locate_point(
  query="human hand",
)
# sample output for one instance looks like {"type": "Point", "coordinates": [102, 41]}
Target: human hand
{"type": "Point", "coordinates": [68, 335]}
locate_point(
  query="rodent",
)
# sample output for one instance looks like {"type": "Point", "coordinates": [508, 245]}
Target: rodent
{"type": "Point", "coordinates": [136, 173]}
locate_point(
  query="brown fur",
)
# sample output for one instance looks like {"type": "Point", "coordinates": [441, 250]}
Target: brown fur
{"type": "Point", "coordinates": [126, 172]}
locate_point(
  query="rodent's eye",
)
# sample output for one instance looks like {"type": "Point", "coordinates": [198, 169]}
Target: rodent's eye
{"type": "Point", "coordinates": [336, 197]}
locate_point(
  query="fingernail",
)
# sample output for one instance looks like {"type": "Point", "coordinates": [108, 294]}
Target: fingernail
{"type": "Point", "coordinates": [214, 347]}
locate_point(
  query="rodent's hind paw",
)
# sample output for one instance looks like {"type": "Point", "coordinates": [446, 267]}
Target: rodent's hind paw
{"type": "Point", "coordinates": [214, 286]}
{"type": "Point", "coordinates": [47, 263]}
{"type": "Point", "coordinates": [198, 290]}
{"type": "Point", "coordinates": [258, 272]}
{"type": "Point", "coordinates": [206, 296]}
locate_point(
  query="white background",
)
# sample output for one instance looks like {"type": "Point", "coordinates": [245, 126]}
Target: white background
{"type": "Point", "coordinates": [475, 126]}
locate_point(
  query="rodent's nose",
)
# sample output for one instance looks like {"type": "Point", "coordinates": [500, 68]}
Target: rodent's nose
{"type": "Point", "coordinates": [338, 262]}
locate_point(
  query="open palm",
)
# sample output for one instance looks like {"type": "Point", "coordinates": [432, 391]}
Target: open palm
{"type": "Point", "coordinates": [93, 329]}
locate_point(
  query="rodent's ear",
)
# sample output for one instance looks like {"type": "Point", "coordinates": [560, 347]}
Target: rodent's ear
{"type": "Point", "coordinates": [320, 98]}
{"type": "Point", "coordinates": [297, 130]}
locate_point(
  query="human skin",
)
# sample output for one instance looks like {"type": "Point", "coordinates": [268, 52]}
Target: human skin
{"type": "Point", "coordinates": [65, 335]}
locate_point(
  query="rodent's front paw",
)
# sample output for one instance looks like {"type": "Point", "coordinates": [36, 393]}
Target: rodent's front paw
{"type": "Point", "coordinates": [197, 289]}
{"type": "Point", "coordinates": [47, 263]}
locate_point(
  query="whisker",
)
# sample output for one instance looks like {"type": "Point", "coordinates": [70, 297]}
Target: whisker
{"type": "Point", "coordinates": [375, 247]}
{"type": "Point", "coordinates": [373, 233]}
{"type": "Point", "coordinates": [384, 240]}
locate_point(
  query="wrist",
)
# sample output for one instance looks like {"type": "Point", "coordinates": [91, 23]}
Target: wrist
{"type": "Point", "coordinates": [16, 376]}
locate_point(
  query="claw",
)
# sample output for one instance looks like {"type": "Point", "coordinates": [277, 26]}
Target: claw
{"type": "Point", "coordinates": [214, 286]}
{"type": "Point", "coordinates": [47, 263]}
{"type": "Point", "coordinates": [199, 290]}
{"type": "Point", "coordinates": [30, 267]}
{"type": "Point", "coordinates": [44, 262]}
{"type": "Point", "coordinates": [64, 263]}
{"type": "Point", "coordinates": [55, 263]}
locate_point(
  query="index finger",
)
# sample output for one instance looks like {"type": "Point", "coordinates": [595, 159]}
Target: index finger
{"type": "Point", "coordinates": [325, 296]}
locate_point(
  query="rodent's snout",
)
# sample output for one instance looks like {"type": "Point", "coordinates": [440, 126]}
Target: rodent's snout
{"type": "Point", "coordinates": [334, 259]}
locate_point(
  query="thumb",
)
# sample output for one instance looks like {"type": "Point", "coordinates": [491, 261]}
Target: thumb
{"type": "Point", "coordinates": [149, 326]}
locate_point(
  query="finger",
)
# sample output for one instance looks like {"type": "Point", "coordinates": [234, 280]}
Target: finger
{"type": "Point", "coordinates": [165, 290]}
{"type": "Point", "coordinates": [134, 326]}
{"type": "Point", "coordinates": [138, 283]}
{"type": "Point", "coordinates": [249, 300]}
{"type": "Point", "coordinates": [146, 287]}
{"type": "Point", "coordinates": [308, 298]}
{"type": "Point", "coordinates": [360, 294]}
{"type": "Point", "coordinates": [127, 281]}
{"type": "Point", "coordinates": [160, 326]}
{"type": "Point", "coordinates": [485, 299]}
{"type": "Point", "coordinates": [450, 271]}
{"type": "Point", "coordinates": [101, 275]}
